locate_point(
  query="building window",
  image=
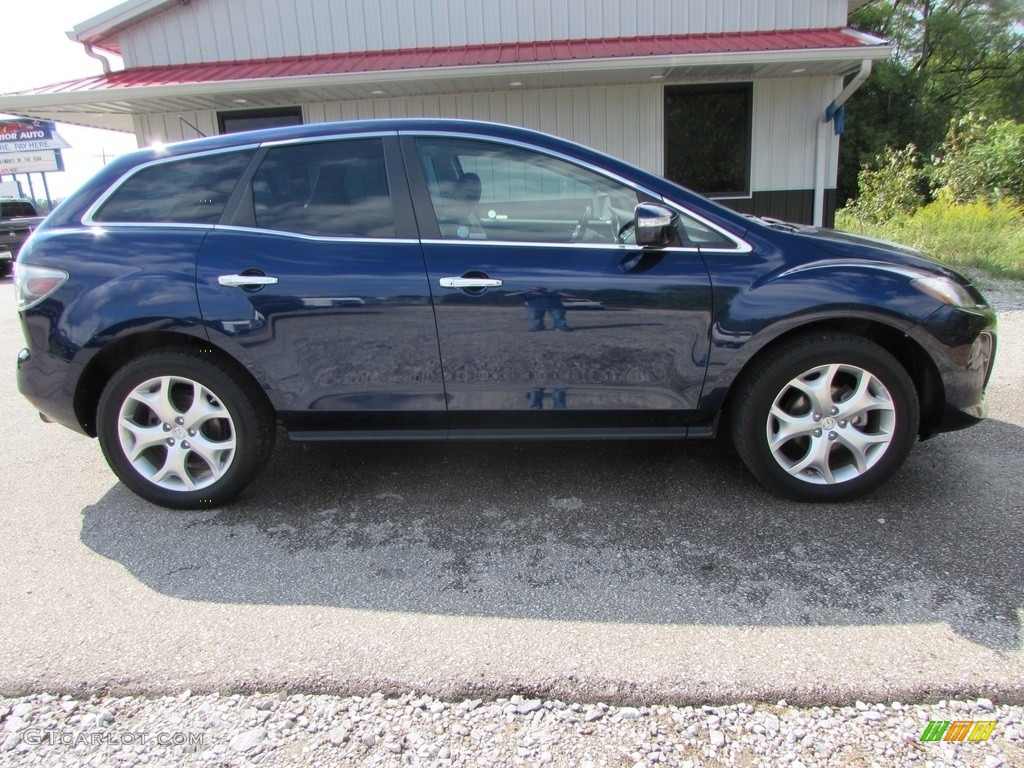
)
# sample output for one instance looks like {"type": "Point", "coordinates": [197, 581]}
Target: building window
{"type": "Point", "coordinates": [257, 119]}
{"type": "Point", "coordinates": [707, 137]}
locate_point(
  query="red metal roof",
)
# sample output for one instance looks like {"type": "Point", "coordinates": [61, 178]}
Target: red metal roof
{"type": "Point", "coordinates": [470, 55]}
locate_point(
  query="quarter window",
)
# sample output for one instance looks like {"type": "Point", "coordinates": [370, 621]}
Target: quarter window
{"type": "Point", "coordinates": [327, 189]}
{"type": "Point", "coordinates": [193, 190]}
{"type": "Point", "coordinates": [485, 191]}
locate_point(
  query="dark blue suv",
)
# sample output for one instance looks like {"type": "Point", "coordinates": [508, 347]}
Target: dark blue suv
{"type": "Point", "coordinates": [414, 279]}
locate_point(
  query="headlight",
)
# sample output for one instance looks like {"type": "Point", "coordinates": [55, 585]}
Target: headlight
{"type": "Point", "coordinates": [946, 290]}
{"type": "Point", "coordinates": [32, 284]}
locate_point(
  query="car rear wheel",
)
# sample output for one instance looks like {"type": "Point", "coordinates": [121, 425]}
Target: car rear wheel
{"type": "Point", "coordinates": [183, 431]}
{"type": "Point", "coordinates": [825, 418]}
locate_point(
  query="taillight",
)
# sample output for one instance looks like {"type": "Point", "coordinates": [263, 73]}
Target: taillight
{"type": "Point", "coordinates": [32, 284]}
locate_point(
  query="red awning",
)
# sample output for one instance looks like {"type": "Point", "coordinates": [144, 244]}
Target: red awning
{"type": "Point", "coordinates": [466, 56]}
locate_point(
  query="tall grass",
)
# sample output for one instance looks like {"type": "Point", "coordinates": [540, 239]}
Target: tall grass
{"type": "Point", "coordinates": [987, 236]}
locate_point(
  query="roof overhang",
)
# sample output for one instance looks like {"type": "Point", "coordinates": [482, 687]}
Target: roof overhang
{"type": "Point", "coordinates": [110, 101]}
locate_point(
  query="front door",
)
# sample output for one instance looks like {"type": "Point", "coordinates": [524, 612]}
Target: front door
{"type": "Point", "coordinates": [546, 317]}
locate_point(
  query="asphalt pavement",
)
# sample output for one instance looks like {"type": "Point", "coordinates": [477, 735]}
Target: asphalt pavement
{"type": "Point", "coordinates": [618, 571]}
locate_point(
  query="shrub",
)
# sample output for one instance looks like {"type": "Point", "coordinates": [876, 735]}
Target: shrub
{"type": "Point", "coordinates": [975, 234]}
{"type": "Point", "coordinates": [890, 190]}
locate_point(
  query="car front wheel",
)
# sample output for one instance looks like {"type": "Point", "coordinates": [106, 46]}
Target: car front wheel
{"type": "Point", "coordinates": [183, 431]}
{"type": "Point", "coordinates": [825, 418]}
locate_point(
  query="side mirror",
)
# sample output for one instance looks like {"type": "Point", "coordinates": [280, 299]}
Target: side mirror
{"type": "Point", "coordinates": [655, 225]}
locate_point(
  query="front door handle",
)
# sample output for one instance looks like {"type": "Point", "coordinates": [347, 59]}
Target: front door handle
{"type": "Point", "coordinates": [469, 282]}
{"type": "Point", "coordinates": [246, 281]}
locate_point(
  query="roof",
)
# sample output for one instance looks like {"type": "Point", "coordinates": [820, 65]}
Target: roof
{"type": "Point", "coordinates": [102, 30]}
{"type": "Point", "coordinates": [111, 100]}
{"type": "Point", "coordinates": [471, 55]}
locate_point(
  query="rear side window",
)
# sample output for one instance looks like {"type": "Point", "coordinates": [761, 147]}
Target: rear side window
{"type": "Point", "coordinates": [192, 190]}
{"type": "Point", "coordinates": [327, 189]}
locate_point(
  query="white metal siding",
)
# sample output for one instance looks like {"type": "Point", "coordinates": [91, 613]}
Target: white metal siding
{"type": "Point", "coordinates": [785, 118]}
{"type": "Point", "coordinates": [627, 122]}
{"type": "Point", "coordinates": [233, 30]}
{"type": "Point", "coordinates": [623, 121]}
{"type": "Point", "coordinates": [168, 127]}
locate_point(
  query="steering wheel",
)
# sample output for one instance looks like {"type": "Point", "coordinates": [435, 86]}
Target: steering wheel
{"type": "Point", "coordinates": [581, 225]}
{"type": "Point", "coordinates": [627, 233]}
{"type": "Point", "coordinates": [615, 224]}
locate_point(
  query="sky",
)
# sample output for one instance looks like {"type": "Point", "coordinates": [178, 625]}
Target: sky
{"type": "Point", "coordinates": [37, 52]}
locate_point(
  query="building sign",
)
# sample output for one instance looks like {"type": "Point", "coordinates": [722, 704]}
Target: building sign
{"type": "Point", "coordinates": [29, 136]}
{"type": "Point", "coordinates": [31, 162]}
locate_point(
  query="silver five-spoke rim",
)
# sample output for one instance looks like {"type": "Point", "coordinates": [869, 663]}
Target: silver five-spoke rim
{"type": "Point", "coordinates": [176, 433]}
{"type": "Point", "coordinates": [831, 424]}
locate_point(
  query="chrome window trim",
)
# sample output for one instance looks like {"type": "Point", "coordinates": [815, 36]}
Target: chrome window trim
{"type": "Point", "coordinates": [327, 137]}
{"type": "Point", "coordinates": [316, 238]}
{"type": "Point", "coordinates": [541, 150]}
{"type": "Point", "coordinates": [101, 225]}
{"type": "Point", "coordinates": [624, 247]}
{"type": "Point", "coordinates": [87, 217]}
{"type": "Point", "coordinates": [741, 245]}
{"type": "Point", "coordinates": [88, 220]}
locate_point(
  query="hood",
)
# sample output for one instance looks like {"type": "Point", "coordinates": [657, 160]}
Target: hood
{"type": "Point", "coordinates": [848, 245]}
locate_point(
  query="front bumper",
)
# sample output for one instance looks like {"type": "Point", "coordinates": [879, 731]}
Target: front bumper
{"type": "Point", "coordinates": [962, 344]}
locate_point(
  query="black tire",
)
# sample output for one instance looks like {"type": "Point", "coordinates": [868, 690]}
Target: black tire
{"type": "Point", "coordinates": [153, 406]}
{"type": "Point", "coordinates": [836, 444]}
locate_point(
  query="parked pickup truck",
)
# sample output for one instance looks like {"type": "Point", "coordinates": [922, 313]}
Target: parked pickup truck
{"type": "Point", "coordinates": [17, 220]}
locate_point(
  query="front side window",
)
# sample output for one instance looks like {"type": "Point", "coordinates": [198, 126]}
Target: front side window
{"type": "Point", "coordinates": [192, 190]}
{"type": "Point", "coordinates": [326, 189]}
{"type": "Point", "coordinates": [486, 191]}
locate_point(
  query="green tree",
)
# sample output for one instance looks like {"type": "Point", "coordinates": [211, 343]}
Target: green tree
{"type": "Point", "coordinates": [950, 57]}
{"type": "Point", "coordinates": [981, 159]}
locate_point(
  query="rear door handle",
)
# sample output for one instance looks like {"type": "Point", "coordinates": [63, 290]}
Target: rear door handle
{"type": "Point", "coordinates": [469, 282]}
{"type": "Point", "coordinates": [246, 281]}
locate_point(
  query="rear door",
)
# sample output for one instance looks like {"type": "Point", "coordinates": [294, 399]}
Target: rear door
{"type": "Point", "coordinates": [318, 285]}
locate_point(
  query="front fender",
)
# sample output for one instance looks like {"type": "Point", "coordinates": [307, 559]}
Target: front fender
{"type": "Point", "coordinates": [750, 316]}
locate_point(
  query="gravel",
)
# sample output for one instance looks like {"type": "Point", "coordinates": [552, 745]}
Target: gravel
{"type": "Point", "coordinates": [1004, 294]}
{"type": "Point", "coordinates": [415, 729]}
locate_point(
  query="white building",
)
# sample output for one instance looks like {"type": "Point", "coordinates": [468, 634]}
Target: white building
{"type": "Point", "coordinates": [726, 96]}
